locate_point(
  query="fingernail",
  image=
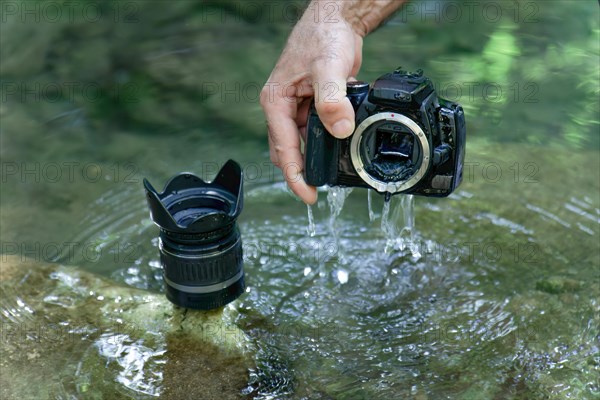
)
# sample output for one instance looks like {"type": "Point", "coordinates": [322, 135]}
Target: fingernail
{"type": "Point", "coordinates": [343, 128]}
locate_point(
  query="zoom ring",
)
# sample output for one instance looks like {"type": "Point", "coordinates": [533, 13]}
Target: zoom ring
{"type": "Point", "coordinates": [202, 270]}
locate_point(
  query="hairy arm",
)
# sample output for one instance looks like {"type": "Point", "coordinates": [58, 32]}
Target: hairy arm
{"type": "Point", "coordinates": [363, 15]}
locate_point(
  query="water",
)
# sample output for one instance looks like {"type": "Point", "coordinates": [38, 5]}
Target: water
{"type": "Point", "coordinates": [398, 224]}
{"type": "Point", "coordinates": [370, 205]}
{"type": "Point", "coordinates": [311, 228]}
{"type": "Point", "coordinates": [336, 197]}
{"type": "Point", "coordinates": [442, 298]}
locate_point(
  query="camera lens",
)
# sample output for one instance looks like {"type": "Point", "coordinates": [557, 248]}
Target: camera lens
{"type": "Point", "coordinates": [200, 243]}
{"type": "Point", "coordinates": [390, 152]}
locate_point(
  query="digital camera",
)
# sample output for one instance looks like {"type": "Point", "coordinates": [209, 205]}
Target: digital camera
{"type": "Point", "coordinates": [407, 140]}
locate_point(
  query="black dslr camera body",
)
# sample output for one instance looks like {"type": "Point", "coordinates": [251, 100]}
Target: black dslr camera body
{"type": "Point", "coordinates": [407, 140]}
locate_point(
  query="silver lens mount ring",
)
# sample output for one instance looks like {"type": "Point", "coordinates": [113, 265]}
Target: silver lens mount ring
{"type": "Point", "coordinates": [357, 162]}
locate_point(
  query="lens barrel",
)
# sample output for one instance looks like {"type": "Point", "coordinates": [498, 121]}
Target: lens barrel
{"type": "Point", "coordinates": [202, 271]}
{"type": "Point", "coordinates": [200, 244]}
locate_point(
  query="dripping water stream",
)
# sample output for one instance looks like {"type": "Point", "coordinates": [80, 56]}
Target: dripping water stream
{"type": "Point", "coordinates": [397, 219]}
{"type": "Point", "coordinates": [370, 205]}
{"type": "Point", "coordinates": [336, 196]}
{"type": "Point", "coordinates": [311, 229]}
{"type": "Point", "coordinates": [398, 224]}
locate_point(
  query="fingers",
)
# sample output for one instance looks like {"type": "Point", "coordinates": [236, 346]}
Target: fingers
{"type": "Point", "coordinates": [272, 154]}
{"type": "Point", "coordinates": [302, 112]}
{"type": "Point", "coordinates": [333, 107]}
{"type": "Point", "coordinates": [284, 143]}
{"type": "Point", "coordinates": [358, 42]}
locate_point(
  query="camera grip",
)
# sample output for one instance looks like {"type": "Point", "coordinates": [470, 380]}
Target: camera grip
{"type": "Point", "coordinates": [317, 152]}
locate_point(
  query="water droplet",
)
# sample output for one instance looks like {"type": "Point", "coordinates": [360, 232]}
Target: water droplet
{"type": "Point", "coordinates": [342, 276]}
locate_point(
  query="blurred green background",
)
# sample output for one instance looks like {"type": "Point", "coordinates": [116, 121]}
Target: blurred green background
{"type": "Point", "coordinates": [525, 71]}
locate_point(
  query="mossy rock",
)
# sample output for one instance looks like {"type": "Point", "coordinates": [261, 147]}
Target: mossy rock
{"type": "Point", "coordinates": [66, 331]}
{"type": "Point", "coordinates": [558, 284]}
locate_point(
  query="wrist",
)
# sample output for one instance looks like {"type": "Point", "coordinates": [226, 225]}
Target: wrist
{"type": "Point", "coordinates": [363, 16]}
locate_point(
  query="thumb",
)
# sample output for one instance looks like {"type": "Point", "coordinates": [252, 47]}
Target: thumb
{"type": "Point", "coordinates": [333, 107]}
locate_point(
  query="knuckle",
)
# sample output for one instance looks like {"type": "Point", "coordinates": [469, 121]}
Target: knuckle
{"type": "Point", "coordinates": [279, 149]}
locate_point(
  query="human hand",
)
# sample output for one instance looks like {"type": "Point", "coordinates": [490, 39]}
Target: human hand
{"type": "Point", "coordinates": [323, 52]}
{"type": "Point", "coordinates": [319, 58]}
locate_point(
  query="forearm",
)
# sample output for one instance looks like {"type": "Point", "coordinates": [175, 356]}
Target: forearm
{"type": "Point", "coordinates": [363, 15]}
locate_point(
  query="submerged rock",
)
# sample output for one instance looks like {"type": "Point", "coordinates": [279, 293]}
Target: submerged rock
{"type": "Point", "coordinates": [557, 284]}
{"type": "Point", "coordinates": [67, 332]}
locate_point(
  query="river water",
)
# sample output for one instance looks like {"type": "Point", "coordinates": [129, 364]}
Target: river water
{"type": "Point", "coordinates": [490, 293]}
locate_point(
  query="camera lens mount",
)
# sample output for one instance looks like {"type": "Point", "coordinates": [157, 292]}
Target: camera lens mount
{"type": "Point", "coordinates": [361, 166]}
